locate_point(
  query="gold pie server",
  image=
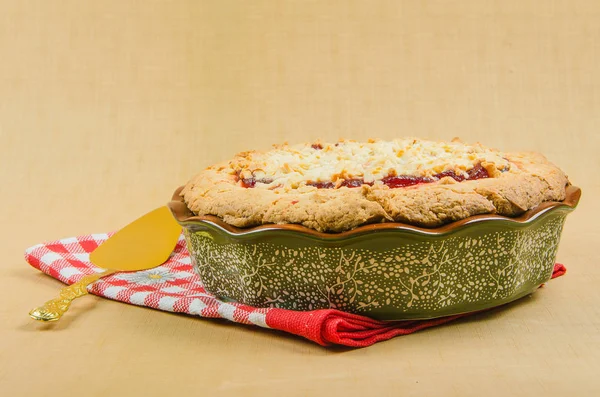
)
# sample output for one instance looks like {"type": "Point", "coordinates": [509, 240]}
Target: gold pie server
{"type": "Point", "coordinates": [145, 243]}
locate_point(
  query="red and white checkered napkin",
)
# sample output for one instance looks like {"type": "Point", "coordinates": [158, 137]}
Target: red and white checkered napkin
{"type": "Point", "coordinates": [175, 287]}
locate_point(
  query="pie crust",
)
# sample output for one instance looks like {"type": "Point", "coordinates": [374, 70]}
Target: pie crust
{"type": "Point", "coordinates": [334, 187]}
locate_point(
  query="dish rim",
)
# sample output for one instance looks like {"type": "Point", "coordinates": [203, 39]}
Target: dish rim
{"type": "Point", "coordinates": [185, 216]}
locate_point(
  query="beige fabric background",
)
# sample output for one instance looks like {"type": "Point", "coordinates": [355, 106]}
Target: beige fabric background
{"type": "Point", "coordinates": [107, 106]}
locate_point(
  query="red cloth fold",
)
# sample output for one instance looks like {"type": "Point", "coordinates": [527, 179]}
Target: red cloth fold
{"type": "Point", "coordinates": [175, 287]}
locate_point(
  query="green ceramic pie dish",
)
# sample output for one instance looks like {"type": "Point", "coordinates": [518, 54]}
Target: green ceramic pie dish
{"type": "Point", "coordinates": [387, 271]}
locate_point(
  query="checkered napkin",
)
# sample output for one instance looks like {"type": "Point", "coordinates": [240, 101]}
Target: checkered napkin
{"type": "Point", "coordinates": [174, 287]}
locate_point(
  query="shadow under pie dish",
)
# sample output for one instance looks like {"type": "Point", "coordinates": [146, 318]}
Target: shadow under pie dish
{"type": "Point", "coordinates": [387, 270]}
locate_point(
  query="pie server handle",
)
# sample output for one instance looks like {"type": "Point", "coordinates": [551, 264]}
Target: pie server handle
{"type": "Point", "coordinates": [54, 309]}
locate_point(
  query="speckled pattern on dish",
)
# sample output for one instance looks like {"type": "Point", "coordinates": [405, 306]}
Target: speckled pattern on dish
{"type": "Point", "coordinates": [421, 277]}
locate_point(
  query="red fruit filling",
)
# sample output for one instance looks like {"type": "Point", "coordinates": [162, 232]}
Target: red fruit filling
{"type": "Point", "coordinates": [322, 185]}
{"type": "Point", "coordinates": [251, 182]}
{"type": "Point", "coordinates": [393, 181]}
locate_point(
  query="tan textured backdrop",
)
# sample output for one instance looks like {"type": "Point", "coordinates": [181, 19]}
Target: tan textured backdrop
{"type": "Point", "coordinates": [107, 106]}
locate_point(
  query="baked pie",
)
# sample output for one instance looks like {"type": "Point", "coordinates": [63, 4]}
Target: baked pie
{"type": "Point", "coordinates": [335, 187]}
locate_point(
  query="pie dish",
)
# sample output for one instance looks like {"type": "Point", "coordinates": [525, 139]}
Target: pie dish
{"type": "Point", "coordinates": [337, 187]}
{"type": "Point", "coordinates": [382, 268]}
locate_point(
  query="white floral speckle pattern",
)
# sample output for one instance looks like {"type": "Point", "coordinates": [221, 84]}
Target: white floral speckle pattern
{"type": "Point", "coordinates": [440, 276]}
{"type": "Point", "coordinates": [148, 277]}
